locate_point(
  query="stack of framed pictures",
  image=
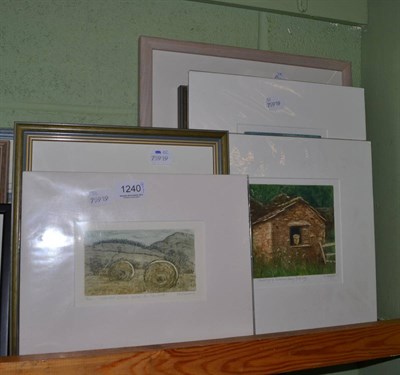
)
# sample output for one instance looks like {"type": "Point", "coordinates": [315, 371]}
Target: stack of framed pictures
{"type": "Point", "coordinates": [134, 236]}
{"type": "Point", "coordinates": [302, 144]}
{"type": "Point", "coordinates": [301, 138]}
{"type": "Point", "coordinates": [126, 238]}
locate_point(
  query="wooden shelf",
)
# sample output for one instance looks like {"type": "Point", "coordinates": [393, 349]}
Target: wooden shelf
{"type": "Point", "coordinates": [261, 354]}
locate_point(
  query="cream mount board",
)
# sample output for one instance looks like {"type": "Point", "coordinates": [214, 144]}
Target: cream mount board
{"type": "Point", "coordinates": [342, 292]}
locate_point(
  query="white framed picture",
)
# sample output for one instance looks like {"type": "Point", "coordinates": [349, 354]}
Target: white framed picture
{"type": "Point", "coordinates": [246, 104]}
{"type": "Point", "coordinates": [312, 230]}
{"type": "Point", "coordinates": [115, 260]}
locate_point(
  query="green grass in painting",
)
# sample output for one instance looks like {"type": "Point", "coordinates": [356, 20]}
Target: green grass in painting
{"type": "Point", "coordinates": [279, 267]}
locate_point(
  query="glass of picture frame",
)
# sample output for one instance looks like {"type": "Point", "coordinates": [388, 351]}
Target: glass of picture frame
{"type": "Point", "coordinates": [94, 148]}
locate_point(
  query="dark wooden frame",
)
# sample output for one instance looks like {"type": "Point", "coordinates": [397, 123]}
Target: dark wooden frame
{"type": "Point", "coordinates": [5, 278]}
{"type": "Point", "coordinates": [4, 162]}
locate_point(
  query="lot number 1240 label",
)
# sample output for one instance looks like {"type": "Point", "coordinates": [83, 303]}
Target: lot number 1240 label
{"type": "Point", "coordinates": [131, 190]}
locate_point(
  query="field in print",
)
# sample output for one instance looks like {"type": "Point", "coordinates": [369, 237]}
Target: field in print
{"type": "Point", "coordinates": [139, 261]}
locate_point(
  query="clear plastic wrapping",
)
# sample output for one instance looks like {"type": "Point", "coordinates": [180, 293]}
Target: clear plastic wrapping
{"type": "Point", "coordinates": [113, 260]}
{"type": "Point", "coordinates": [346, 293]}
{"type": "Point", "coordinates": [262, 105]}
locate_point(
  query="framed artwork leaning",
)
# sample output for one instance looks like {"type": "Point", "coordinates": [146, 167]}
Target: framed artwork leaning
{"type": "Point", "coordinates": [94, 148]}
{"type": "Point", "coordinates": [7, 135]}
{"type": "Point", "coordinates": [132, 259]}
{"type": "Point", "coordinates": [5, 276]}
{"type": "Point", "coordinates": [4, 169]}
{"type": "Point", "coordinates": [311, 207]}
{"type": "Point", "coordinates": [164, 65]}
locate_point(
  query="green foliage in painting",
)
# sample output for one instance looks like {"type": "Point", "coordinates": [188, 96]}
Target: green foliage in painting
{"type": "Point", "coordinates": [274, 255]}
{"type": "Point", "coordinates": [280, 266]}
{"type": "Point", "coordinates": [315, 195]}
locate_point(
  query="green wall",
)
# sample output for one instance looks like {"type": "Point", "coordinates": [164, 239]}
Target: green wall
{"type": "Point", "coordinates": [345, 11]}
{"type": "Point", "coordinates": [381, 79]}
{"type": "Point", "coordinates": [77, 60]}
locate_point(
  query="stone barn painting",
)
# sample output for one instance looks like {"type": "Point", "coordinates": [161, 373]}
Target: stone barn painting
{"type": "Point", "coordinates": [292, 230]}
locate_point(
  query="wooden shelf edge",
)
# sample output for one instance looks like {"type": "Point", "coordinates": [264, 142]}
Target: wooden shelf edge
{"type": "Point", "coordinates": [261, 354]}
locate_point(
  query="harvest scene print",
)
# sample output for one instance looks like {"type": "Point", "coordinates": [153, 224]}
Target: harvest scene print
{"type": "Point", "coordinates": [293, 230]}
{"type": "Point", "coordinates": [122, 262]}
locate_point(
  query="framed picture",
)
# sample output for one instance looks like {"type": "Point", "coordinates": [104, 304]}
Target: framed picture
{"type": "Point", "coordinates": [311, 206]}
{"type": "Point", "coordinates": [4, 168]}
{"type": "Point", "coordinates": [165, 63]}
{"type": "Point", "coordinates": [91, 148]}
{"type": "Point", "coordinates": [7, 135]}
{"type": "Point", "coordinates": [244, 104]}
{"type": "Point", "coordinates": [132, 259]}
{"type": "Point", "coordinates": [5, 275]}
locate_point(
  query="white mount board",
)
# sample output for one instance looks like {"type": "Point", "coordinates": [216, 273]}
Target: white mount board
{"type": "Point", "coordinates": [241, 104]}
{"type": "Point", "coordinates": [349, 296]}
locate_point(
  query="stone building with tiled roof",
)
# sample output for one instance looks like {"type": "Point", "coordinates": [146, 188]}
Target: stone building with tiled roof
{"type": "Point", "coordinates": [288, 227]}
